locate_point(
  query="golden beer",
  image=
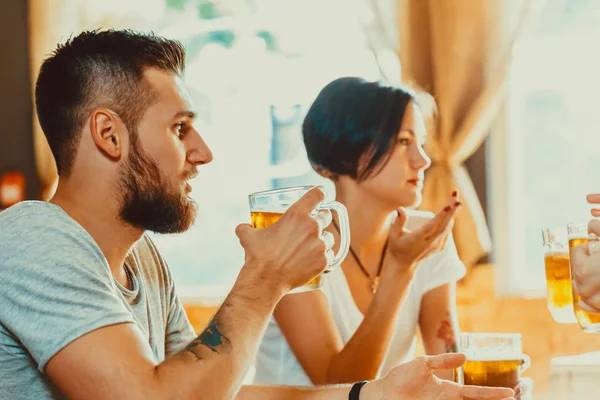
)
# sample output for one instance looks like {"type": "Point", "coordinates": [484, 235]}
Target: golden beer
{"type": "Point", "coordinates": [558, 284]}
{"type": "Point", "coordinates": [492, 373]}
{"type": "Point", "coordinates": [559, 293]}
{"type": "Point", "coordinates": [493, 359]}
{"type": "Point", "coordinates": [261, 219]}
{"type": "Point", "coordinates": [585, 319]}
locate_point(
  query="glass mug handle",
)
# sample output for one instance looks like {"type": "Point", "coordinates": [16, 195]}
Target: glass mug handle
{"type": "Point", "coordinates": [526, 363]}
{"type": "Point", "coordinates": [344, 226]}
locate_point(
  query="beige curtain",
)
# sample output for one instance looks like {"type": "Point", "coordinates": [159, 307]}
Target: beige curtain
{"type": "Point", "coordinates": [460, 52]}
{"type": "Point", "coordinates": [48, 19]}
{"type": "Point", "coordinates": [54, 21]}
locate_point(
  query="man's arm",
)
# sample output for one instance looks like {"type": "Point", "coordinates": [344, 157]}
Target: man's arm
{"type": "Point", "coordinates": [116, 361]}
{"type": "Point", "coordinates": [414, 380]}
{"type": "Point", "coordinates": [298, 393]}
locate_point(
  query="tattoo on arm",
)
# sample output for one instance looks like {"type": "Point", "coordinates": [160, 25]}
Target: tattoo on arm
{"type": "Point", "coordinates": [211, 338]}
{"type": "Point", "coordinates": [446, 334]}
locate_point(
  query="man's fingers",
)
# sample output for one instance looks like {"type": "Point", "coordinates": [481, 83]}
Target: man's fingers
{"type": "Point", "coordinates": [594, 227]}
{"type": "Point", "coordinates": [593, 198]}
{"type": "Point", "coordinates": [588, 307]}
{"type": "Point", "coordinates": [309, 201]}
{"type": "Point", "coordinates": [486, 393]}
{"type": "Point", "coordinates": [445, 361]}
{"type": "Point", "coordinates": [328, 238]}
{"type": "Point", "coordinates": [330, 255]}
{"type": "Point", "coordinates": [578, 255]}
{"type": "Point", "coordinates": [323, 218]}
{"type": "Point", "coordinates": [242, 230]}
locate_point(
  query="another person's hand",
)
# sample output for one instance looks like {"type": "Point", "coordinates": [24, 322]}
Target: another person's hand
{"type": "Point", "coordinates": [415, 380]}
{"type": "Point", "coordinates": [294, 249]}
{"type": "Point", "coordinates": [408, 248]}
{"type": "Point", "coordinates": [594, 198]}
{"type": "Point", "coordinates": [524, 389]}
{"type": "Point", "coordinates": [585, 265]}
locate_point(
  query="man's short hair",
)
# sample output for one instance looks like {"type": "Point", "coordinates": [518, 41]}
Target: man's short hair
{"type": "Point", "coordinates": [99, 69]}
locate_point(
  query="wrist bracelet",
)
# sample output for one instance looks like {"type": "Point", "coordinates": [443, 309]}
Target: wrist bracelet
{"type": "Point", "coordinates": [355, 391]}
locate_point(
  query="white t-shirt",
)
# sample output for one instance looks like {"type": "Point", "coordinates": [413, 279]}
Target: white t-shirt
{"type": "Point", "coordinates": [276, 363]}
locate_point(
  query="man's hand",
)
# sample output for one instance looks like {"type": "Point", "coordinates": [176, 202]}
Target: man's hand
{"type": "Point", "coordinates": [594, 198]}
{"type": "Point", "coordinates": [585, 265]}
{"type": "Point", "coordinates": [524, 389]}
{"type": "Point", "coordinates": [294, 249]}
{"type": "Point", "coordinates": [415, 380]}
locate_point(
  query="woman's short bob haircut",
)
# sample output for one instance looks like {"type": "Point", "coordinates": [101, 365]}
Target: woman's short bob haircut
{"type": "Point", "coordinates": [353, 125]}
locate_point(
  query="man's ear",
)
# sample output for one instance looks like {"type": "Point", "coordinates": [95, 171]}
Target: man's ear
{"type": "Point", "coordinates": [107, 132]}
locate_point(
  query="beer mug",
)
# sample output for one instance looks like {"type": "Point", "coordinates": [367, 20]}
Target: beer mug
{"type": "Point", "coordinates": [493, 359]}
{"type": "Point", "coordinates": [578, 234]}
{"type": "Point", "coordinates": [559, 293]}
{"type": "Point", "coordinates": [268, 206]}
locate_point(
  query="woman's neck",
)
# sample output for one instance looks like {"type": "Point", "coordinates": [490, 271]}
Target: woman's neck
{"type": "Point", "coordinates": [369, 223]}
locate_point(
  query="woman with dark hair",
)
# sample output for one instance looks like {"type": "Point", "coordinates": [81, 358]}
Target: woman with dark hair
{"type": "Point", "coordinates": [400, 274]}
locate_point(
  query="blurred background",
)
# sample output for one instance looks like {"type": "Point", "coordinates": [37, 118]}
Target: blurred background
{"type": "Point", "coordinates": [515, 82]}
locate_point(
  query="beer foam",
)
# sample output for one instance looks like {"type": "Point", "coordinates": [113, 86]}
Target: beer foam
{"type": "Point", "coordinates": [557, 254]}
{"type": "Point", "coordinates": [492, 356]}
{"type": "Point", "coordinates": [270, 209]}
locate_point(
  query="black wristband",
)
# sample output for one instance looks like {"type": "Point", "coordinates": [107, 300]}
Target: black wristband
{"type": "Point", "coordinates": [355, 391]}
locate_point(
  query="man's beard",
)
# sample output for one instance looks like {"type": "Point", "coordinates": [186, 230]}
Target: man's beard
{"type": "Point", "coordinates": [148, 200]}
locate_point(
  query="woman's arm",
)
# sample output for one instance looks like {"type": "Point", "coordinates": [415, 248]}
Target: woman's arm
{"type": "Point", "coordinates": [309, 328]}
{"type": "Point", "coordinates": [438, 322]}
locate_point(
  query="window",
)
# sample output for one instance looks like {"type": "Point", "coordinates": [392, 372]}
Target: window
{"type": "Point", "coordinates": [253, 68]}
{"type": "Point", "coordinates": [547, 157]}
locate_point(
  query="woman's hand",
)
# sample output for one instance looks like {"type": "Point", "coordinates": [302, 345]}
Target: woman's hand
{"type": "Point", "coordinates": [408, 248]}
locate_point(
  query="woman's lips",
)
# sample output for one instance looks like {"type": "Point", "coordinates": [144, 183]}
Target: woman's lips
{"type": "Point", "coordinates": [416, 182]}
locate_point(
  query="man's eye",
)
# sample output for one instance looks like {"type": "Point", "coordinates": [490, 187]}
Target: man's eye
{"type": "Point", "coordinates": [180, 129]}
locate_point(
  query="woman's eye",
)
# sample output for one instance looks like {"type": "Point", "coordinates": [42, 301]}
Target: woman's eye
{"type": "Point", "coordinates": [403, 141]}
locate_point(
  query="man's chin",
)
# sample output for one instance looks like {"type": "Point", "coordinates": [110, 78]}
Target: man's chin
{"type": "Point", "coordinates": [173, 222]}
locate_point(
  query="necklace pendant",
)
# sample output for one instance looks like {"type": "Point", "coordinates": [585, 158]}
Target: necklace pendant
{"type": "Point", "coordinates": [375, 284]}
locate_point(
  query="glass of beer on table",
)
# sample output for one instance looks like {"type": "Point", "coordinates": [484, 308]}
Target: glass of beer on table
{"type": "Point", "coordinates": [268, 206]}
{"type": "Point", "coordinates": [493, 359]}
{"type": "Point", "coordinates": [578, 235]}
{"type": "Point", "coordinates": [559, 292]}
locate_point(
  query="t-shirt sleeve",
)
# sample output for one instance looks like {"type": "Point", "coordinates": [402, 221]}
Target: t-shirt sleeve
{"type": "Point", "coordinates": [443, 267]}
{"type": "Point", "coordinates": [55, 284]}
{"type": "Point", "coordinates": [179, 332]}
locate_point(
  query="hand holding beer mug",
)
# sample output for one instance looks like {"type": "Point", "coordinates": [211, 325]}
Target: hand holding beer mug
{"type": "Point", "coordinates": [558, 276]}
{"type": "Point", "coordinates": [416, 380]}
{"type": "Point", "coordinates": [291, 221]}
{"type": "Point", "coordinates": [493, 359]}
{"type": "Point", "coordinates": [578, 235]}
{"type": "Point", "coordinates": [585, 263]}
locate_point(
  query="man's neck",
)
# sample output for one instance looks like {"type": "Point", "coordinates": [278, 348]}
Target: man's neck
{"type": "Point", "coordinates": [100, 219]}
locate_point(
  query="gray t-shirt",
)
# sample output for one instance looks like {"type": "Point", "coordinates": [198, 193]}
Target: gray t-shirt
{"type": "Point", "coordinates": [56, 286]}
